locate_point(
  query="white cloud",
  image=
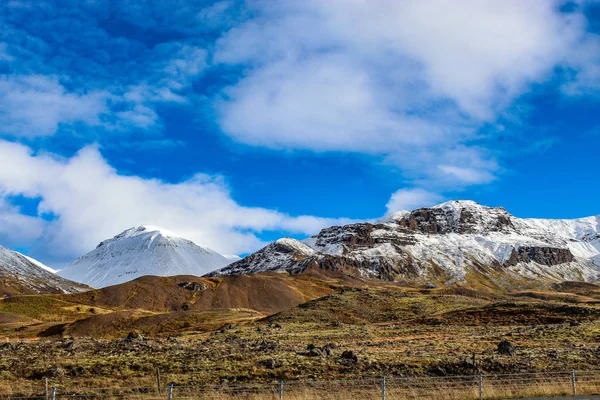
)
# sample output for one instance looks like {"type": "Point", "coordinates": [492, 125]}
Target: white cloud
{"type": "Point", "coordinates": [17, 229]}
{"type": "Point", "coordinates": [325, 103]}
{"type": "Point", "coordinates": [402, 79]}
{"type": "Point", "coordinates": [411, 199]}
{"type": "Point", "coordinates": [92, 202]}
{"type": "Point", "coordinates": [467, 175]}
{"type": "Point", "coordinates": [35, 105]}
{"type": "Point", "coordinates": [584, 66]}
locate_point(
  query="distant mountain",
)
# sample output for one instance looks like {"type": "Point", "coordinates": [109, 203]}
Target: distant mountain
{"type": "Point", "coordinates": [139, 251]}
{"type": "Point", "coordinates": [454, 241]}
{"type": "Point", "coordinates": [20, 274]}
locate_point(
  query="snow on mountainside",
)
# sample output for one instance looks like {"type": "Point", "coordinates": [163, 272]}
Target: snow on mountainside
{"type": "Point", "coordinates": [444, 244]}
{"type": "Point", "coordinates": [20, 274]}
{"type": "Point", "coordinates": [139, 251]}
{"type": "Point", "coordinates": [279, 256]}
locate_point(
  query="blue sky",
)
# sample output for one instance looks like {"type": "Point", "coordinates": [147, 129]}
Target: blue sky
{"type": "Point", "coordinates": [233, 123]}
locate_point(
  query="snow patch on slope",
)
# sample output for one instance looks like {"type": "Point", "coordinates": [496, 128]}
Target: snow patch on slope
{"type": "Point", "coordinates": [39, 264]}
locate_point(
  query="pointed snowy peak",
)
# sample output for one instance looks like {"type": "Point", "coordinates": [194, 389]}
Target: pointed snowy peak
{"type": "Point", "coordinates": [20, 274]}
{"type": "Point", "coordinates": [139, 251]}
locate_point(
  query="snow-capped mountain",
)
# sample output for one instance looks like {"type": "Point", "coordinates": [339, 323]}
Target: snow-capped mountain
{"type": "Point", "coordinates": [443, 244]}
{"type": "Point", "coordinates": [20, 274]}
{"type": "Point", "coordinates": [139, 251]}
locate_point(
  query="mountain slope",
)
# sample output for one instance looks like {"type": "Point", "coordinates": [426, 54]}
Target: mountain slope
{"type": "Point", "coordinates": [139, 251]}
{"type": "Point", "coordinates": [454, 241]}
{"type": "Point", "coordinates": [265, 292]}
{"type": "Point", "coordinates": [20, 274]}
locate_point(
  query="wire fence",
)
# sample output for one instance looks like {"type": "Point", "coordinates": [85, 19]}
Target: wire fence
{"type": "Point", "coordinates": [468, 387]}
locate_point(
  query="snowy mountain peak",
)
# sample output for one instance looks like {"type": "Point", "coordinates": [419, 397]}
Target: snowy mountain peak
{"type": "Point", "coordinates": [139, 251]}
{"type": "Point", "coordinates": [147, 229]}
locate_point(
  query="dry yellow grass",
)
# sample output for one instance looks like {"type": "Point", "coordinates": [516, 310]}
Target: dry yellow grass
{"type": "Point", "coordinates": [447, 388]}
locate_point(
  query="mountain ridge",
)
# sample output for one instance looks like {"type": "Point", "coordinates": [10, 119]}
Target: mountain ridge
{"type": "Point", "coordinates": [443, 243]}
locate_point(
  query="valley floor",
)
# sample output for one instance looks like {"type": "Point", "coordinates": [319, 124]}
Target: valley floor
{"type": "Point", "coordinates": [351, 333]}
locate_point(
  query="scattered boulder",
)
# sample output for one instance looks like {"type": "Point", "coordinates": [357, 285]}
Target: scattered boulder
{"type": "Point", "coordinates": [134, 337]}
{"type": "Point", "coordinates": [267, 346]}
{"type": "Point", "coordinates": [430, 285]}
{"type": "Point", "coordinates": [272, 364]}
{"type": "Point", "coordinates": [328, 349]}
{"type": "Point", "coordinates": [55, 372]}
{"type": "Point", "coordinates": [506, 348]}
{"type": "Point", "coordinates": [349, 355]}
{"type": "Point", "coordinates": [315, 352]}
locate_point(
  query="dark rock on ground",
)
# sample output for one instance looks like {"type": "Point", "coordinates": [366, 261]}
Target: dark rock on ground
{"type": "Point", "coordinates": [134, 337]}
{"type": "Point", "coordinates": [349, 355]}
{"type": "Point", "coordinates": [272, 364]}
{"type": "Point", "coordinates": [55, 372]}
{"type": "Point", "coordinates": [506, 348]}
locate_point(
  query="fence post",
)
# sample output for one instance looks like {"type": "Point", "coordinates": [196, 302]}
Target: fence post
{"type": "Point", "coordinates": [573, 384]}
{"type": "Point", "coordinates": [170, 397]}
{"type": "Point", "coordinates": [46, 391]}
{"type": "Point", "coordinates": [280, 390]}
{"type": "Point", "coordinates": [158, 379]}
{"type": "Point", "coordinates": [383, 388]}
{"type": "Point", "coordinates": [480, 385]}
{"type": "Point", "coordinates": [54, 393]}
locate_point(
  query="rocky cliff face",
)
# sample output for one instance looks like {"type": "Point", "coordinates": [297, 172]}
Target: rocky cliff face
{"type": "Point", "coordinates": [443, 244]}
{"type": "Point", "coordinates": [541, 255]}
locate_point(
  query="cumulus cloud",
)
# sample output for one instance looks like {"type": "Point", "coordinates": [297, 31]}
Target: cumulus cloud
{"type": "Point", "coordinates": [411, 199]}
{"type": "Point", "coordinates": [400, 79]}
{"type": "Point", "coordinates": [90, 201]}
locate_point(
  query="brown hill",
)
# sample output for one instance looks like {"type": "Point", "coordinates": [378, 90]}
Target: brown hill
{"type": "Point", "coordinates": [269, 293]}
{"type": "Point", "coordinates": [163, 305]}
